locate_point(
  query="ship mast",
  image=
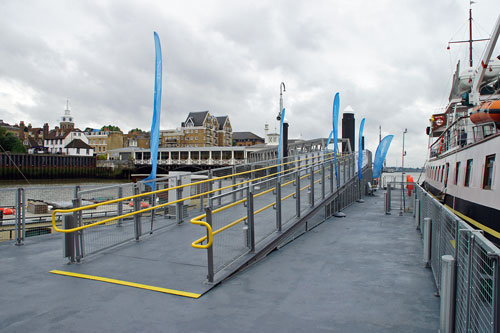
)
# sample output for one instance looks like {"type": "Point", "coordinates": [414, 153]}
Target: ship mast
{"type": "Point", "coordinates": [481, 68]}
{"type": "Point", "coordinates": [470, 40]}
{"type": "Point", "coordinates": [470, 34]}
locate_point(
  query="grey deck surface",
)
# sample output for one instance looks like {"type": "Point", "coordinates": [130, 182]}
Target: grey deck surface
{"type": "Point", "coordinates": [355, 274]}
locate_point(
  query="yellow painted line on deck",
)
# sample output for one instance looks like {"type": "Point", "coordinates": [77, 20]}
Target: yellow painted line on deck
{"type": "Point", "coordinates": [128, 284]}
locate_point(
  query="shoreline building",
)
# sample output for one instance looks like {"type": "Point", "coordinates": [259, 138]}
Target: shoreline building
{"type": "Point", "coordinates": [200, 129]}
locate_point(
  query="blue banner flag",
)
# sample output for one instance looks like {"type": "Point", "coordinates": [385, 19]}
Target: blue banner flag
{"type": "Point", "coordinates": [155, 125]}
{"type": "Point", "coordinates": [360, 149]}
{"type": "Point", "coordinates": [329, 139]}
{"type": "Point", "coordinates": [281, 138]}
{"type": "Point", "coordinates": [336, 106]}
{"type": "Point", "coordinates": [382, 149]}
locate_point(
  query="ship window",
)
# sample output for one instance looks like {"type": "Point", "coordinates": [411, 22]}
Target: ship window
{"type": "Point", "coordinates": [442, 173]}
{"type": "Point", "coordinates": [468, 170]}
{"type": "Point", "coordinates": [446, 175]}
{"type": "Point", "coordinates": [488, 172]}
{"type": "Point", "coordinates": [457, 170]}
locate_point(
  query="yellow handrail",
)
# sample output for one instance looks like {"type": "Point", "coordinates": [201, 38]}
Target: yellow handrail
{"type": "Point", "coordinates": [76, 209]}
{"type": "Point", "coordinates": [197, 219]}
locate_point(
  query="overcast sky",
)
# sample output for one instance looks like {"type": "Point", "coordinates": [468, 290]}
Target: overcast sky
{"type": "Point", "coordinates": [388, 60]}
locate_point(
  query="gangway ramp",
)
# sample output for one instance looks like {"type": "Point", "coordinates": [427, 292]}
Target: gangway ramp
{"type": "Point", "coordinates": [247, 215]}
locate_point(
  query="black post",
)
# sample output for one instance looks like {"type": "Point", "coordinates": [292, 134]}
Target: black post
{"type": "Point", "coordinates": [348, 124]}
{"type": "Point", "coordinates": [285, 142]}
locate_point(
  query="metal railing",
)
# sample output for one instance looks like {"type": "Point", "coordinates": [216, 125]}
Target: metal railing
{"type": "Point", "coordinates": [399, 196]}
{"type": "Point", "coordinates": [474, 288]}
{"type": "Point", "coordinates": [244, 206]}
{"type": "Point", "coordinates": [26, 210]}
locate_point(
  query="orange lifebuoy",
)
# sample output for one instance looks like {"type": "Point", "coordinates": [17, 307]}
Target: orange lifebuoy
{"type": "Point", "coordinates": [144, 205]}
{"type": "Point", "coordinates": [131, 204]}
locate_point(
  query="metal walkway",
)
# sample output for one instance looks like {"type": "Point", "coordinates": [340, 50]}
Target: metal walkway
{"type": "Point", "coordinates": [250, 212]}
{"type": "Point", "coordinates": [354, 274]}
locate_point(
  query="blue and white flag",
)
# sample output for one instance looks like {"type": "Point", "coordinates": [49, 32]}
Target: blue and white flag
{"type": "Point", "coordinates": [336, 107]}
{"type": "Point", "coordinates": [360, 149]}
{"type": "Point", "coordinates": [382, 149]}
{"type": "Point", "coordinates": [155, 125]}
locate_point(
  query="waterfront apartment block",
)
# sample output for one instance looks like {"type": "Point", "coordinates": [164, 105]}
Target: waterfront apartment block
{"type": "Point", "coordinates": [200, 129]}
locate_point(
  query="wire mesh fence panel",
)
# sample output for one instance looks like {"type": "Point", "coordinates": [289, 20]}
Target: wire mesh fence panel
{"type": "Point", "coordinates": [265, 214]}
{"type": "Point", "coordinates": [462, 282]}
{"type": "Point", "coordinates": [288, 201]}
{"type": "Point", "coordinates": [7, 213]}
{"type": "Point", "coordinates": [230, 243]}
{"type": "Point", "coordinates": [318, 184]}
{"type": "Point", "coordinates": [200, 202]}
{"type": "Point", "coordinates": [106, 235]}
{"type": "Point", "coordinates": [481, 317]}
{"type": "Point", "coordinates": [435, 239]}
{"type": "Point", "coordinates": [40, 201]}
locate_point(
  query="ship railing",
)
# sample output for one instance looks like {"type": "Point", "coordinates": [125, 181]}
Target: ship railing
{"type": "Point", "coordinates": [465, 265]}
{"type": "Point", "coordinates": [459, 134]}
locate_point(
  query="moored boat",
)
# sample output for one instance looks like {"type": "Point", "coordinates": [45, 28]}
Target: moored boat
{"type": "Point", "coordinates": [464, 146]}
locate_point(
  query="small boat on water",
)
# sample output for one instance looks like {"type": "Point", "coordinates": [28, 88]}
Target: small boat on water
{"type": "Point", "coordinates": [464, 145]}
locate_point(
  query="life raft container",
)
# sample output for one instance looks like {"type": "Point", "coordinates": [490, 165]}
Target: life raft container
{"type": "Point", "coordinates": [8, 211]}
{"type": "Point", "coordinates": [486, 113]}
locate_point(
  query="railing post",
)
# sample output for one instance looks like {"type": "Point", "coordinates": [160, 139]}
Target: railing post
{"type": "Point", "coordinates": [417, 213]}
{"type": "Point", "coordinates": [427, 241]}
{"type": "Point", "coordinates": [137, 217]}
{"type": "Point", "coordinates": [311, 187]}
{"type": "Point", "coordinates": [69, 237]}
{"type": "Point", "coordinates": [297, 193]}
{"type": "Point", "coordinates": [447, 294]}
{"type": "Point", "coordinates": [278, 203]}
{"type": "Point", "coordinates": [78, 235]}
{"type": "Point", "coordinates": [332, 174]}
{"type": "Point", "coordinates": [389, 197]}
{"type": "Point", "coordinates": [179, 206]}
{"type": "Point", "coordinates": [219, 192]}
{"type": "Point", "coordinates": [251, 223]}
{"type": "Point", "coordinates": [210, 187]}
{"type": "Point", "coordinates": [323, 180]}
{"type": "Point", "coordinates": [210, 249]}
{"type": "Point", "coordinates": [120, 206]}
{"type": "Point", "coordinates": [234, 188]}
{"type": "Point", "coordinates": [20, 217]}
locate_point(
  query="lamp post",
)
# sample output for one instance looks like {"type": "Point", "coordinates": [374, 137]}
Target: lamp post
{"type": "Point", "coordinates": [403, 174]}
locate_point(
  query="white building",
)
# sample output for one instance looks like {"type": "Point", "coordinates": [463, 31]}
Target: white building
{"type": "Point", "coordinates": [68, 140]}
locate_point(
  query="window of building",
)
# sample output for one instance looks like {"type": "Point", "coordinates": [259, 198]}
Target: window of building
{"type": "Point", "coordinates": [78, 150]}
{"type": "Point", "coordinates": [488, 172]}
{"type": "Point", "coordinates": [457, 171]}
{"type": "Point", "coordinates": [468, 170]}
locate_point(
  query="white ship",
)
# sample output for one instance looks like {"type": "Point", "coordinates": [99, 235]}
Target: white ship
{"type": "Point", "coordinates": [464, 144]}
